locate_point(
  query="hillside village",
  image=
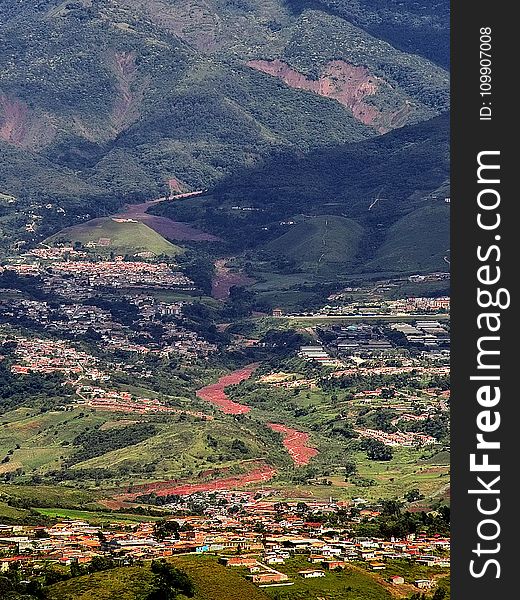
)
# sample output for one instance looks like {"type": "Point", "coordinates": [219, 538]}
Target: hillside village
{"type": "Point", "coordinates": [290, 531]}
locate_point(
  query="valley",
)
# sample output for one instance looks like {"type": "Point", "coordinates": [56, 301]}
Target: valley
{"type": "Point", "coordinates": [224, 300]}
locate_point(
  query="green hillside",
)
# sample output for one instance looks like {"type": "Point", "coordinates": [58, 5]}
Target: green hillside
{"type": "Point", "coordinates": [120, 238]}
{"type": "Point", "coordinates": [374, 183]}
{"type": "Point", "coordinates": [127, 583]}
{"type": "Point", "coordinates": [212, 581]}
{"type": "Point", "coordinates": [93, 445]}
{"type": "Point", "coordinates": [420, 241]}
{"type": "Point", "coordinates": [321, 244]}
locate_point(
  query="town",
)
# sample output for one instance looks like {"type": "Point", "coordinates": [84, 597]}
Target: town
{"type": "Point", "coordinates": [272, 446]}
{"type": "Point", "coordinates": [246, 531]}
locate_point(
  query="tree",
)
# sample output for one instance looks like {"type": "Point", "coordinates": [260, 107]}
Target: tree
{"type": "Point", "coordinates": [350, 469]}
{"type": "Point", "coordinates": [169, 582]}
{"type": "Point", "coordinates": [238, 446]}
{"type": "Point", "coordinates": [377, 450]}
{"type": "Point", "coordinates": [166, 528]}
{"type": "Point", "coordinates": [413, 495]}
{"type": "Point", "coordinates": [76, 569]}
{"type": "Point", "coordinates": [391, 508]}
{"type": "Point", "coordinates": [101, 563]}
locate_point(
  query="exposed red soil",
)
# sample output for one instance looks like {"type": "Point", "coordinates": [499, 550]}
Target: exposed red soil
{"type": "Point", "coordinates": [350, 85]}
{"type": "Point", "coordinates": [225, 279]}
{"type": "Point", "coordinates": [169, 229]}
{"type": "Point", "coordinates": [19, 127]}
{"type": "Point", "coordinates": [14, 124]}
{"type": "Point", "coordinates": [215, 393]}
{"type": "Point", "coordinates": [296, 444]}
{"type": "Point", "coordinates": [260, 474]}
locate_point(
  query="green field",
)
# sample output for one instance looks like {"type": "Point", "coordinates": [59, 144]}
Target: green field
{"type": "Point", "coordinates": [350, 584]}
{"type": "Point", "coordinates": [119, 238]}
{"type": "Point", "coordinates": [406, 471]}
{"type": "Point", "coordinates": [94, 516]}
{"type": "Point", "coordinates": [128, 583]}
{"type": "Point", "coordinates": [46, 495]}
{"type": "Point", "coordinates": [212, 582]}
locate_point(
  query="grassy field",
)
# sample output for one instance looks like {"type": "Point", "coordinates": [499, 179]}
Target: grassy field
{"type": "Point", "coordinates": [350, 584]}
{"type": "Point", "coordinates": [120, 238]}
{"type": "Point", "coordinates": [320, 245]}
{"type": "Point", "coordinates": [128, 583]}
{"type": "Point", "coordinates": [94, 516]}
{"type": "Point", "coordinates": [216, 582]}
{"type": "Point", "coordinates": [47, 495]}
{"type": "Point", "coordinates": [40, 441]}
{"type": "Point", "coordinates": [213, 581]}
{"type": "Point", "coordinates": [412, 571]}
{"type": "Point", "coordinates": [406, 471]}
{"type": "Point", "coordinates": [10, 514]}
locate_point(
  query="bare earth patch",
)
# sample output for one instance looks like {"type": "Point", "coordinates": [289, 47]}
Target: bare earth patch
{"type": "Point", "coordinates": [350, 85]}
{"type": "Point", "coordinates": [261, 473]}
{"type": "Point", "coordinates": [296, 443]}
{"type": "Point", "coordinates": [215, 393]}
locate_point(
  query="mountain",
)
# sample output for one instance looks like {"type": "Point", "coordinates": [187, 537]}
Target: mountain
{"type": "Point", "coordinates": [381, 201]}
{"type": "Point", "coordinates": [115, 98]}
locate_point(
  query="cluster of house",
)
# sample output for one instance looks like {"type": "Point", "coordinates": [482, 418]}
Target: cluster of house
{"type": "Point", "coordinates": [320, 355]}
{"type": "Point", "coordinates": [122, 274]}
{"type": "Point", "coordinates": [438, 276]}
{"type": "Point", "coordinates": [232, 539]}
{"type": "Point", "coordinates": [398, 438]}
{"type": "Point", "coordinates": [23, 269]}
{"type": "Point", "coordinates": [78, 319]}
{"type": "Point", "coordinates": [372, 303]}
{"type": "Point", "coordinates": [14, 307]}
{"type": "Point", "coordinates": [119, 401]}
{"type": "Point", "coordinates": [150, 308]}
{"type": "Point", "coordinates": [39, 355]}
{"type": "Point", "coordinates": [412, 368]}
{"type": "Point", "coordinates": [56, 253]}
{"type": "Point", "coordinates": [428, 304]}
{"type": "Point", "coordinates": [360, 340]}
{"type": "Point", "coordinates": [287, 381]}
